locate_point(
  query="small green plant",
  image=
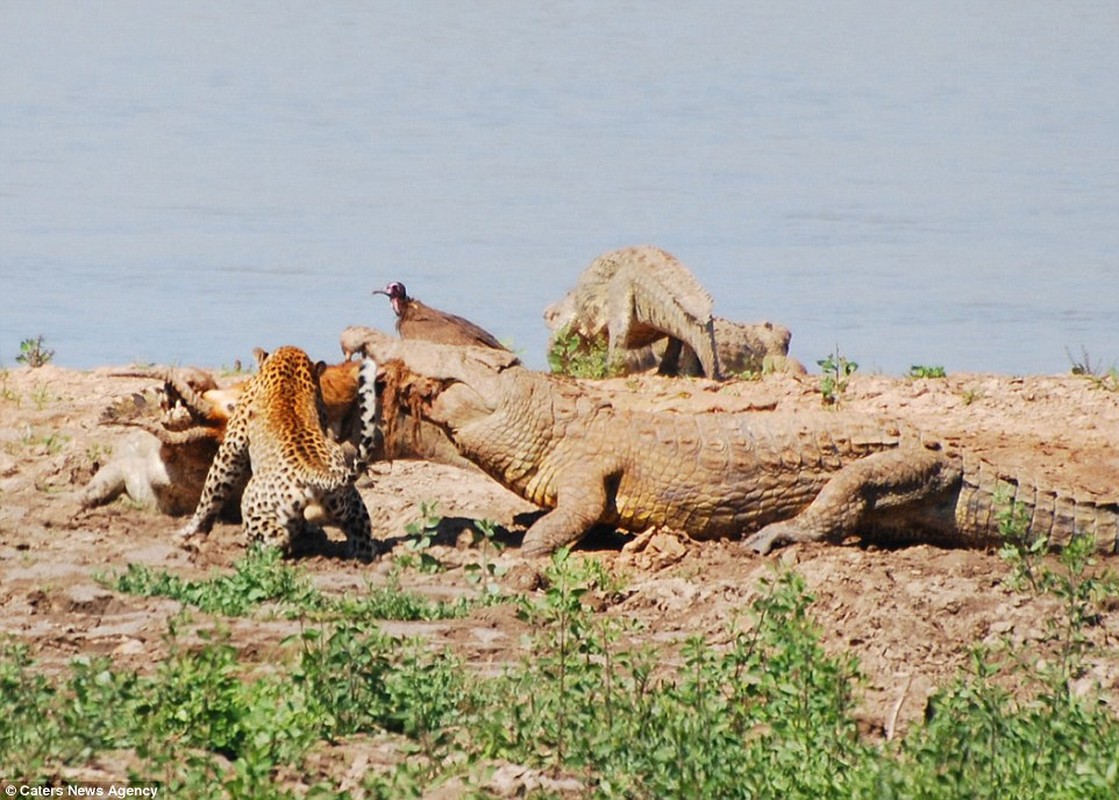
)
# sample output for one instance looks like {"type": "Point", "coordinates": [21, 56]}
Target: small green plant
{"type": "Point", "coordinates": [54, 442]}
{"type": "Point", "coordinates": [580, 357]}
{"type": "Point", "coordinates": [392, 602]}
{"type": "Point", "coordinates": [1083, 594]}
{"type": "Point", "coordinates": [1023, 550]}
{"type": "Point", "coordinates": [7, 393]}
{"type": "Point", "coordinates": [567, 580]}
{"type": "Point", "coordinates": [1108, 379]}
{"type": "Point", "coordinates": [42, 397]}
{"type": "Point", "coordinates": [567, 653]}
{"type": "Point", "coordinates": [32, 353]}
{"type": "Point", "coordinates": [421, 533]}
{"type": "Point", "coordinates": [747, 375]}
{"type": "Point", "coordinates": [98, 453]}
{"type": "Point", "coordinates": [260, 577]}
{"type": "Point", "coordinates": [970, 396]}
{"type": "Point", "coordinates": [263, 578]}
{"type": "Point", "coordinates": [922, 371]}
{"type": "Point", "coordinates": [483, 573]}
{"type": "Point", "coordinates": [50, 444]}
{"type": "Point", "coordinates": [1082, 365]}
{"type": "Point", "coordinates": [837, 371]}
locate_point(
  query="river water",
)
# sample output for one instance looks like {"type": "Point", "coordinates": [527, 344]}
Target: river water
{"type": "Point", "coordinates": [918, 183]}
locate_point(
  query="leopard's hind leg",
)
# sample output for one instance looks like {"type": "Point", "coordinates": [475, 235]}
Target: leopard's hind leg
{"type": "Point", "coordinates": [348, 510]}
{"type": "Point", "coordinates": [272, 515]}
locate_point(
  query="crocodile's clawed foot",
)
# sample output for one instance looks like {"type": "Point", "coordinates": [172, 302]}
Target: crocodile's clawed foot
{"type": "Point", "coordinates": [536, 549]}
{"type": "Point", "coordinates": [777, 534]}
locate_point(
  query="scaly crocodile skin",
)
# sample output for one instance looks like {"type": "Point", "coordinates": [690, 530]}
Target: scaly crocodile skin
{"type": "Point", "coordinates": [774, 477]}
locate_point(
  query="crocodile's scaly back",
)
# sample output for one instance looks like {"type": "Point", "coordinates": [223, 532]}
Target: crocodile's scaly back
{"type": "Point", "coordinates": [713, 475]}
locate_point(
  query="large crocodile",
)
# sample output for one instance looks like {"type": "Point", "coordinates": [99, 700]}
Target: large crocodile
{"type": "Point", "coordinates": [775, 477]}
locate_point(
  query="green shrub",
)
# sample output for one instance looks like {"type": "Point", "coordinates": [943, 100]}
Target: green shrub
{"type": "Point", "coordinates": [922, 371]}
{"type": "Point", "coordinates": [580, 357]}
{"type": "Point", "coordinates": [978, 741]}
{"type": "Point", "coordinates": [1071, 576]}
{"type": "Point", "coordinates": [33, 354]}
{"type": "Point", "coordinates": [263, 578]}
{"type": "Point", "coordinates": [421, 533]}
{"type": "Point", "coordinates": [751, 720]}
{"type": "Point", "coordinates": [766, 712]}
{"type": "Point", "coordinates": [260, 577]}
{"type": "Point", "coordinates": [836, 374]}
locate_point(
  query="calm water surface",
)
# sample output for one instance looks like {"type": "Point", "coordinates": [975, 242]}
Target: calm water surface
{"type": "Point", "coordinates": [933, 183]}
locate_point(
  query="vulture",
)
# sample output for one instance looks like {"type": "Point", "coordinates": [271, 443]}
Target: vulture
{"type": "Point", "coordinates": [414, 320]}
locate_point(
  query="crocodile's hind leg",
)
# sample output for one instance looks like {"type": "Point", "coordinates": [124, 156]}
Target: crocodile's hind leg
{"type": "Point", "coordinates": [890, 479]}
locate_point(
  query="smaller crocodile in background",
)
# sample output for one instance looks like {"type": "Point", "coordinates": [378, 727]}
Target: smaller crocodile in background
{"type": "Point", "coordinates": [637, 296]}
{"type": "Point", "coordinates": [773, 477]}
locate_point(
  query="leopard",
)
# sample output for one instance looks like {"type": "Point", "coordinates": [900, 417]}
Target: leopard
{"type": "Point", "coordinates": [185, 418]}
{"type": "Point", "coordinates": [276, 445]}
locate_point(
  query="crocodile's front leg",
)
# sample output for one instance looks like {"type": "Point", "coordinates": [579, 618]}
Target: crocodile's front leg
{"type": "Point", "coordinates": [890, 479]}
{"type": "Point", "coordinates": [579, 505]}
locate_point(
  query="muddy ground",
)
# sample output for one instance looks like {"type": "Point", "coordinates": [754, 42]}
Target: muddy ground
{"type": "Point", "coordinates": [910, 615]}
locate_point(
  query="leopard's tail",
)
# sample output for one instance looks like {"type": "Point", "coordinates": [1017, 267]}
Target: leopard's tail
{"type": "Point", "coordinates": [367, 412]}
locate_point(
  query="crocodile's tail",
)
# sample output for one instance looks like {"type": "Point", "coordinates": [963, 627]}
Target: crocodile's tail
{"type": "Point", "coordinates": [992, 499]}
{"type": "Point", "coordinates": [669, 298]}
